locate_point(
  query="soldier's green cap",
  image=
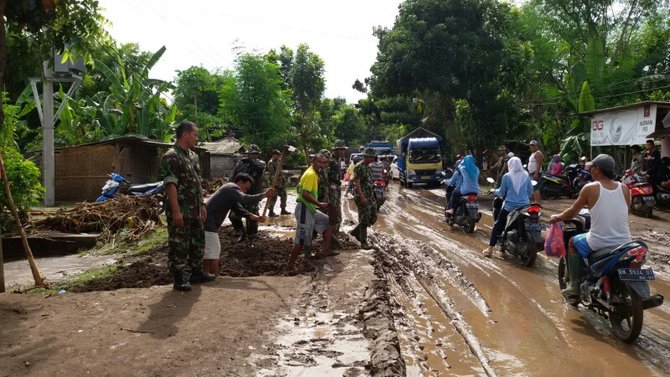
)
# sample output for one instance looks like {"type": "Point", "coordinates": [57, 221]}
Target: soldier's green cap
{"type": "Point", "coordinates": [326, 153]}
{"type": "Point", "coordinates": [369, 152]}
{"type": "Point", "coordinates": [253, 148]}
{"type": "Point", "coordinates": [339, 144]}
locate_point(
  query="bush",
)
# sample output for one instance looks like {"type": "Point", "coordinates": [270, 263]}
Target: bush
{"type": "Point", "coordinates": [23, 175]}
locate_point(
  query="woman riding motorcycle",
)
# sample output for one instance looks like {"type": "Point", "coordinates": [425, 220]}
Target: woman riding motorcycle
{"type": "Point", "coordinates": [517, 189]}
{"type": "Point", "coordinates": [470, 185]}
{"type": "Point", "coordinates": [555, 166]}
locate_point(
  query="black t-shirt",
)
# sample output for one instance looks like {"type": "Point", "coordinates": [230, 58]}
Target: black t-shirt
{"type": "Point", "coordinates": [227, 197]}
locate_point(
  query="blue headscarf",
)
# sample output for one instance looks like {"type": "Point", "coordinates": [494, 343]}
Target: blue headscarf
{"type": "Point", "coordinates": [469, 167]}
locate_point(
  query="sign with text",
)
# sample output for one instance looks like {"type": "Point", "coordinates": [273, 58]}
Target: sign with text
{"type": "Point", "coordinates": [625, 127]}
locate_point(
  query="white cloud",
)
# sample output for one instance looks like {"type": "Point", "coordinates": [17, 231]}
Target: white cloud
{"type": "Point", "coordinates": [204, 32]}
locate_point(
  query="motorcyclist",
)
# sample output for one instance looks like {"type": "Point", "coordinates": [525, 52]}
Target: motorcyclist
{"type": "Point", "coordinates": [555, 165]}
{"type": "Point", "coordinates": [454, 183]}
{"type": "Point", "coordinates": [517, 189]}
{"type": "Point", "coordinates": [470, 173]}
{"type": "Point", "coordinates": [608, 202]}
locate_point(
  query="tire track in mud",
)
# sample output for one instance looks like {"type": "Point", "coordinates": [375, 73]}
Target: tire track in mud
{"type": "Point", "coordinates": [416, 279]}
{"type": "Point", "coordinates": [555, 324]}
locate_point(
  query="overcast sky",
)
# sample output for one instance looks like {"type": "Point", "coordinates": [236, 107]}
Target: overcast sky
{"type": "Point", "coordinates": [205, 32]}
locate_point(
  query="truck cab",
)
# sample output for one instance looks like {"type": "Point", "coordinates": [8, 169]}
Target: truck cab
{"type": "Point", "coordinates": [420, 161]}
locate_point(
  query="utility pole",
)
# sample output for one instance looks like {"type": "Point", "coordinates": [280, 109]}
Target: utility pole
{"type": "Point", "coordinates": [48, 161]}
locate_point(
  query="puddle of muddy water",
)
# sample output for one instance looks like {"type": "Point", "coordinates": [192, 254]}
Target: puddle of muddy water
{"type": "Point", "coordinates": [316, 345]}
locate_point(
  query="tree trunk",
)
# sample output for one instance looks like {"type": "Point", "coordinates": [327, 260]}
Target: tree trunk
{"type": "Point", "coordinates": [3, 58]}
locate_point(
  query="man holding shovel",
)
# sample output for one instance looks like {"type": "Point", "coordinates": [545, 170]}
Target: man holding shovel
{"type": "Point", "coordinates": [280, 185]}
{"type": "Point", "coordinates": [335, 174]}
{"type": "Point", "coordinates": [308, 219]}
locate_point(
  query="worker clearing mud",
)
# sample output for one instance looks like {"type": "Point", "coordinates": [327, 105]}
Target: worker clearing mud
{"type": "Point", "coordinates": [308, 219]}
{"type": "Point", "coordinates": [364, 198]}
{"type": "Point", "coordinates": [280, 187]}
{"type": "Point", "coordinates": [253, 166]}
{"type": "Point", "coordinates": [227, 197]}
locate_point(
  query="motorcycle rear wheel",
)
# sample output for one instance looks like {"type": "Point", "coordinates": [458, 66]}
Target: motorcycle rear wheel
{"type": "Point", "coordinates": [564, 280]}
{"type": "Point", "coordinates": [531, 252]}
{"type": "Point", "coordinates": [644, 210]}
{"type": "Point", "coordinates": [627, 322]}
{"type": "Point", "coordinates": [470, 225]}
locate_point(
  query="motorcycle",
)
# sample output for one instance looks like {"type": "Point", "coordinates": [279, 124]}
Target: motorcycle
{"type": "Point", "coordinates": [117, 184]}
{"type": "Point", "coordinates": [466, 213]}
{"type": "Point", "coordinates": [522, 236]}
{"type": "Point", "coordinates": [578, 177]}
{"type": "Point", "coordinates": [379, 191]}
{"type": "Point", "coordinates": [614, 284]}
{"type": "Point", "coordinates": [555, 186]}
{"type": "Point", "coordinates": [642, 196]}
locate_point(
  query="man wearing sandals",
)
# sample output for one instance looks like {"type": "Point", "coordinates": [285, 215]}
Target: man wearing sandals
{"type": "Point", "coordinates": [308, 219]}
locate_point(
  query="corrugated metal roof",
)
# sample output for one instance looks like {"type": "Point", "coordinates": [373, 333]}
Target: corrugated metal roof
{"type": "Point", "coordinates": [227, 145]}
{"type": "Point", "coordinates": [625, 107]}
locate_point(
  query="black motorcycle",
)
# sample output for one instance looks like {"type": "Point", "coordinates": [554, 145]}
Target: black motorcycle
{"type": "Point", "coordinates": [466, 213]}
{"type": "Point", "coordinates": [522, 236]}
{"type": "Point", "coordinates": [379, 191]}
{"type": "Point", "coordinates": [555, 186]}
{"type": "Point", "coordinates": [614, 284]}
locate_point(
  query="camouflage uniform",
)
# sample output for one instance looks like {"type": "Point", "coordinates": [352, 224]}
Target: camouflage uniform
{"type": "Point", "coordinates": [323, 180]}
{"type": "Point", "coordinates": [255, 169]}
{"type": "Point", "coordinates": [187, 243]}
{"type": "Point", "coordinates": [367, 214]}
{"type": "Point", "coordinates": [280, 187]}
{"type": "Point", "coordinates": [334, 178]}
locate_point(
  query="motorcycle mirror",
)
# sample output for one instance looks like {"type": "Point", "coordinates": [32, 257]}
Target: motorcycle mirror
{"type": "Point", "coordinates": [533, 182]}
{"type": "Point", "coordinates": [490, 180]}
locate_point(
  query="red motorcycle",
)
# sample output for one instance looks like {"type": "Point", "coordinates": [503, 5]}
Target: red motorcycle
{"type": "Point", "coordinates": [379, 190]}
{"type": "Point", "coordinates": [642, 196]}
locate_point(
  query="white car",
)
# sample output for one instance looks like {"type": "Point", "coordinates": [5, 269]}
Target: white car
{"type": "Point", "coordinates": [395, 173]}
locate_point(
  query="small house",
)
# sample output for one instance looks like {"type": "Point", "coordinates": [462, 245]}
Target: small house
{"type": "Point", "coordinates": [82, 170]}
{"type": "Point", "coordinates": [223, 156]}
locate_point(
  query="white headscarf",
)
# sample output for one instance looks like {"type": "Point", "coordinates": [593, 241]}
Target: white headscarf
{"type": "Point", "coordinates": [516, 173]}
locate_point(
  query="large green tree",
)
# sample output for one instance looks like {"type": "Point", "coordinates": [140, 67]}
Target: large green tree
{"type": "Point", "coordinates": [252, 98]}
{"type": "Point", "coordinates": [196, 96]}
{"type": "Point", "coordinates": [444, 51]}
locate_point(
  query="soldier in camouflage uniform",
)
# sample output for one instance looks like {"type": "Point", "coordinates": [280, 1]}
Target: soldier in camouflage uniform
{"type": "Point", "coordinates": [364, 198]}
{"type": "Point", "coordinates": [184, 209]}
{"type": "Point", "coordinates": [254, 167]}
{"type": "Point", "coordinates": [323, 180]}
{"type": "Point", "coordinates": [280, 187]}
{"type": "Point", "coordinates": [335, 174]}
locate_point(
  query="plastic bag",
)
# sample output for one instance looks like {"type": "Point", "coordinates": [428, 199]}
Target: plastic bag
{"type": "Point", "coordinates": [553, 243]}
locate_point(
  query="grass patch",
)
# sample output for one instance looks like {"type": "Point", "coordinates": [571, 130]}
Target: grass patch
{"type": "Point", "coordinates": [77, 281]}
{"type": "Point", "coordinates": [149, 242]}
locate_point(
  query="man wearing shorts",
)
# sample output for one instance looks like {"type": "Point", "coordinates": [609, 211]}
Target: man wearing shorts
{"type": "Point", "coordinates": [229, 196]}
{"type": "Point", "coordinates": [308, 219]}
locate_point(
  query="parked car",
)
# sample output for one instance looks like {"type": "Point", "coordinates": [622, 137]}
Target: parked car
{"type": "Point", "coordinates": [395, 172]}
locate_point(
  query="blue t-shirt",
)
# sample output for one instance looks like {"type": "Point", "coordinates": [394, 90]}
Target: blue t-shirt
{"type": "Point", "coordinates": [514, 200]}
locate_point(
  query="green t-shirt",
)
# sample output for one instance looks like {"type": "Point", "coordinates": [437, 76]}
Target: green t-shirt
{"type": "Point", "coordinates": [309, 182]}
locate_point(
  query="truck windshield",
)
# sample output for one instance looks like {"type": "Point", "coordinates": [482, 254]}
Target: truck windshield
{"type": "Point", "coordinates": [427, 154]}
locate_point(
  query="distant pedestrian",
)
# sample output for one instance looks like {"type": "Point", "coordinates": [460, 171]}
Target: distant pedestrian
{"type": "Point", "coordinates": [280, 187]}
{"type": "Point", "coordinates": [184, 209]}
{"type": "Point", "coordinates": [334, 174]}
{"type": "Point", "coordinates": [364, 198]}
{"type": "Point", "coordinates": [229, 196]}
{"type": "Point", "coordinates": [308, 219]}
{"type": "Point", "coordinates": [535, 168]}
{"type": "Point", "coordinates": [253, 166]}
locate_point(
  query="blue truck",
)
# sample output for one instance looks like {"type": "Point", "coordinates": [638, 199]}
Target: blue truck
{"type": "Point", "coordinates": [419, 158]}
{"type": "Point", "coordinates": [382, 148]}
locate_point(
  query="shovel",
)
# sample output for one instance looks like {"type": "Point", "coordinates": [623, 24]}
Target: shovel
{"type": "Point", "coordinates": [287, 149]}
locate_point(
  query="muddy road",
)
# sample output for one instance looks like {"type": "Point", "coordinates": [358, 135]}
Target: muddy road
{"type": "Point", "coordinates": [459, 313]}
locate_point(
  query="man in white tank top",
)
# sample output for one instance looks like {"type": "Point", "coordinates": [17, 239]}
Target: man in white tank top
{"type": "Point", "coordinates": [608, 202]}
{"type": "Point", "coordinates": [535, 168]}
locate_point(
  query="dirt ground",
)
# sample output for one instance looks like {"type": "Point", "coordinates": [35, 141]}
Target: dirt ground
{"type": "Point", "coordinates": [424, 302]}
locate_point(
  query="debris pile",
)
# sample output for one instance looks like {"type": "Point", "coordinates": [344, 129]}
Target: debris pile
{"type": "Point", "coordinates": [210, 185]}
{"type": "Point", "coordinates": [133, 215]}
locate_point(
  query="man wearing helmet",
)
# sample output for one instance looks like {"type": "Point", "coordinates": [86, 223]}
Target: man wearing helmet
{"type": "Point", "coordinates": [252, 165]}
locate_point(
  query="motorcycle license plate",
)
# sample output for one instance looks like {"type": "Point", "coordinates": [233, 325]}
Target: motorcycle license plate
{"type": "Point", "coordinates": [425, 177]}
{"type": "Point", "coordinates": [636, 274]}
{"type": "Point", "coordinates": [533, 226]}
{"type": "Point", "coordinates": [470, 205]}
{"type": "Point", "coordinates": [649, 199]}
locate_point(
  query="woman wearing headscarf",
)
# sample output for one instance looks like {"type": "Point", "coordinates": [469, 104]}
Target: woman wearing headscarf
{"type": "Point", "coordinates": [555, 166]}
{"type": "Point", "coordinates": [470, 184]}
{"type": "Point", "coordinates": [517, 189]}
